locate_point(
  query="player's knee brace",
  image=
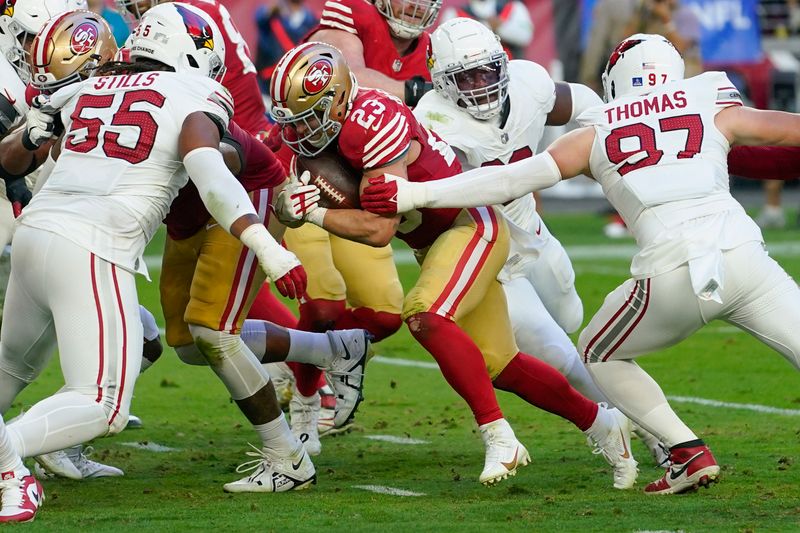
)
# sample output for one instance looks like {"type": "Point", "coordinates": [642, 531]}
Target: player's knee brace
{"type": "Point", "coordinates": [237, 367]}
{"type": "Point", "coordinates": [191, 355]}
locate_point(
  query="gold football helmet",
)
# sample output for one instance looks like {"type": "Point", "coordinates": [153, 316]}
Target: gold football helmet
{"type": "Point", "coordinates": [69, 48]}
{"type": "Point", "coordinates": [311, 88]}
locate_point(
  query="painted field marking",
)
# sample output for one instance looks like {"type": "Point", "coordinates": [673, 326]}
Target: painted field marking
{"type": "Point", "coordinates": [396, 440]}
{"type": "Point", "coordinates": [391, 491]}
{"type": "Point", "coordinates": [150, 447]}
{"type": "Point", "coordinates": [680, 399]}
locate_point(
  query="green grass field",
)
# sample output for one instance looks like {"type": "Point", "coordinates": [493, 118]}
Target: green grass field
{"type": "Point", "coordinates": [566, 488]}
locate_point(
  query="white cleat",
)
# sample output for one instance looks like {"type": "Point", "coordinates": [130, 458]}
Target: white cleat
{"type": "Point", "coordinates": [21, 496]}
{"type": "Point", "coordinates": [658, 450]}
{"type": "Point", "coordinates": [272, 473]}
{"type": "Point", "coordinates": [504, 453]}
{"type": "Point", "coordinates": [73, 463]}
{"type": "Point", "coordinates": [615, 447]}
{"type": "Point", "coordinates": [346, 371]}
{"type": "Point", "coordinates": [325, 423]}
{"type": "Point", "coordinates": [134, 422]}
{"type": "Point", "coordinates": [304, 414]}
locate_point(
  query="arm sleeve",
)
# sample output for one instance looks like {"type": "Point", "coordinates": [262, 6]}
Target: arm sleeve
{"type": "Point", "coordinates": [765, 162]}
{"type": "Point", "coordinates": [583, 98]}
{"type": "Point", "coordinates": [489, 185]}
{"type": "Point", "coordinates": [222, 195]}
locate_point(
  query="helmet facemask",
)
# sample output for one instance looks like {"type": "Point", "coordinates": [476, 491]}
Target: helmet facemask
{"type": "Point", "coordinates": [480, 87]}
{"type": "Point", "coordinates": [309, 132]}
{"type": "Point", "coordinates": [412, 17]}
{"type": "Point", "coordinates": [19, 53]}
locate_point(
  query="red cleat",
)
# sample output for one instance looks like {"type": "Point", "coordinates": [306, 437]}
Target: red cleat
{"type": "Point", "coordinates": [691, 468]}
{"type": "Point", "coordinates": [21, 497]}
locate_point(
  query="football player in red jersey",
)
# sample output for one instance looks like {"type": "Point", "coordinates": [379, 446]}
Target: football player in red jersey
{"type": "Point", "coordinates": [456, 310]}
{"type": "Point", "coordinates": [249, 112]}
{"type": "Point", "coordinates": [394, 33]}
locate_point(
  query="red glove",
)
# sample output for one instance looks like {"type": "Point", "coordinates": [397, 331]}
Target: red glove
{"type": "Point", "coordinates": [380, 197]}
{"type": "Point", "coordinates": [293, 283]}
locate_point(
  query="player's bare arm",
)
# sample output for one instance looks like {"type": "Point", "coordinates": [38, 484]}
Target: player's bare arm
{"type": "Point", "coordinates": [572, 99]}
{"type": "Point", "coordinates": [754, 127]}
{"type": "Point", "coordinates": [353, 51]}
{"type": "Point", "coordinates": [17, 160]}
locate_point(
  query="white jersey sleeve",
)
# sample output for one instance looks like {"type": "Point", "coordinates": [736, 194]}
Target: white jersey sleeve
{"type": "Point", "coordinates": [119, 167]}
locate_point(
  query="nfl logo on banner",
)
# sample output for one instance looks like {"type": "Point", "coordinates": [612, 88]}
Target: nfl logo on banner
{"type": "Point", "coordinates": [637, 82]}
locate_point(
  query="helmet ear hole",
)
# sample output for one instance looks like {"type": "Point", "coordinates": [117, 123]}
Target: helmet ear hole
{"type": "Point", "coordinates": [192, 62]}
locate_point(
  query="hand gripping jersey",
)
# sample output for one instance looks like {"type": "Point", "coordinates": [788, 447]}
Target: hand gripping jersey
{"type": "Point", "coordinates": [12, 96]}
{"type": "Point", "coordinates": [480, 143]}
{"type": "Point", "coordinates": [362, 18]}
{"type": "Point", "coordinates": [261, 170]}
{"type": "Point", "coordinates": [662, 164]}
{"type": "Point", "coordinates": [379, 130]}
{"type": "Point", "coordinates": [119, 167]}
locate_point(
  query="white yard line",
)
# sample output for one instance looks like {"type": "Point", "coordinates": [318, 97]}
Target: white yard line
{"type": "Point", "coordinates": [391, 491]}
{"type": "Point", "coordinates": [150, 447]}
{"type": "Point", "coordinates": [680, 399]}
{"type": "Point", "coordinates": [396, 440]}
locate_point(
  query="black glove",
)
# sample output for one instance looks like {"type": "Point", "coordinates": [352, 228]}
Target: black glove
{"type": "Point", "coordinates": [18, 194]}
{"type": "Point", "coordinates": [415, 88]}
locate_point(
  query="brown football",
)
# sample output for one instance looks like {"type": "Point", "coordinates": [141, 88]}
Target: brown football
{"type": "Point", "coordinates": [337, 181]}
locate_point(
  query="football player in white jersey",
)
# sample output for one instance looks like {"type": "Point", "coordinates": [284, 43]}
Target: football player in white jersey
{"type": "Point", "coordinates": [493, 111]}
{"type": "Point", "coordinates": [133, 136]}
{"type": "Point", "coordinates": [658, 147]}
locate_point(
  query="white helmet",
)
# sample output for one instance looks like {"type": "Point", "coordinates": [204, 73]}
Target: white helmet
{"type": "Point", "coordinates": [412, 17]}
{"type": "Point", "coordinates": [639, 63]}
{"type": "Point", "coordinates": [469, 66]}
{"type": "Point", "coordinates": [20, 21]}
{"type": "Point", "coordinates": [182, 37]}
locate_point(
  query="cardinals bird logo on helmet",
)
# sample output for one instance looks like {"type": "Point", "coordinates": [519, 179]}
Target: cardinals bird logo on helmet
{"type": "Point", "coordinates": [197, 28]}
{"type": "Point", "coordinates": [8, 7]}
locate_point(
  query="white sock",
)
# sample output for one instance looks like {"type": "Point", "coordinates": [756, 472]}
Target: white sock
{"type": "Point", "coordinates": [579, 378]}
{"type": "Point", "coordinates": [58, 422]}
{"type": "Point", "coordinates": [276, 435]}
{"type": "Point", "coordinates": [10, 461]}
{"type": "Point", "coordinates": [312, 348]}
{"type": "Point", "coordinates": [599, 428]}
{"type": "Point", "coordinates": [636, 394]}
{"type": "Point", "coordinates": [254, 335]}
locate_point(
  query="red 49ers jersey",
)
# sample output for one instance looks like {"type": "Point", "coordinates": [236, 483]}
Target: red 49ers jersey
{"type": "Point", "coordinates": [187, 214]}
{"type": "Point", "coordinates": [378, 131]}
{"type": "Point", "coordinates": [362, 18]}
{"type": "Point", "coordinates": [240, 77]}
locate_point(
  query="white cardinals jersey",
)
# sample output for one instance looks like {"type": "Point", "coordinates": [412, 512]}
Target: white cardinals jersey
{"type": "Point", "coordinates": [119, 167]}
{"type": "Point", "coordinates": [662, 164]}
{"type": "Point", "coordinates": [531, 93]}
{"type": "Point", "coordinates": [13, 90]}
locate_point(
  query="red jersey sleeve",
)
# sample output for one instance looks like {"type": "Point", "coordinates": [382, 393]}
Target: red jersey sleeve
{"type": "Point", "coordinates": [261, 168]}
{"type": "Point", "coordinates": [377, 130]}
{"type": "Point", "coordinates": [765, 162]}
{"type": "Point", "coordinates": [345, 15]}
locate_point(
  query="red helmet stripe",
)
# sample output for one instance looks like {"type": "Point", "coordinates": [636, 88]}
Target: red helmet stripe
{"type": "Point", "coordinates": [44, 37]}
{"type": "Point", "coordinates": [279, 88]}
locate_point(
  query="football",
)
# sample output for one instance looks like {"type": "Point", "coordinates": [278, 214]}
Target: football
{"type": "Point", "coordinates": [337, 181]}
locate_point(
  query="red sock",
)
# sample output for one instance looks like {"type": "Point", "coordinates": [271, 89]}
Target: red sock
{"type": "Point", "coordinates": [541, 385]}
{"type": "Point", "coordinates": [379, 323]}
{"type": "Point", "coordinates": [267, 307]}
{"type": "Point", "coordinates": [320, 315]}
{"type": "Point", "coordinates": [460, 361]}
{"type": "Point", "coordinates": [308, 378]}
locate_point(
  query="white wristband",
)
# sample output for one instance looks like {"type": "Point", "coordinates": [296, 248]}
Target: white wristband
{"type": "Point", "coordinates": [257, 238]}
{"type": "Point", "coordinates": [317, 216]}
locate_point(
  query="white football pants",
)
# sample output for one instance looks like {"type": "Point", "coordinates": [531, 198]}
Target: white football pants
{"type": "Point", "coordinates": [643, 316]}
{"type": "Point", "coordinates": [60, 290]}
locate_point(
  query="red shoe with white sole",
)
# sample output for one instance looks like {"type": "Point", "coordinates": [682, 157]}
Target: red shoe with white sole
{"type": "Point", "coordinates": [20, 497]}
{"type": "Point", "coordinates": [691, 467]}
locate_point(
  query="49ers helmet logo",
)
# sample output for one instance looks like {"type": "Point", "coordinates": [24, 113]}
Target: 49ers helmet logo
{"type": "Point", "coordinates": [197, 27]}
{"type": "Point", "coordinates": [318, 76]}
{"type": "Point", "coordinates": [84, 38]}
{"type": "Point", "coordinates": [8, 7]}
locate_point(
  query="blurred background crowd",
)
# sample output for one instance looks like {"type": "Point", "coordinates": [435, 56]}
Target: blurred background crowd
{"type": "Point", "coordinates": [757, 42]}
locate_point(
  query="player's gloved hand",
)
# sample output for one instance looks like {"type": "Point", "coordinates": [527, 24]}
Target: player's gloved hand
{"type": "Point", "coordinates": [297, 201]}
{"type": "Point", "coordinates": [415, 88]}
{"type": "Point", "coordinates": [389, 195]}
{"type": "Point", "coordinates": [18, 194]}
{"type": "Point", "coordinates": [279, 264]}
{"type": "Point", "coordinates": [41, 123]}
